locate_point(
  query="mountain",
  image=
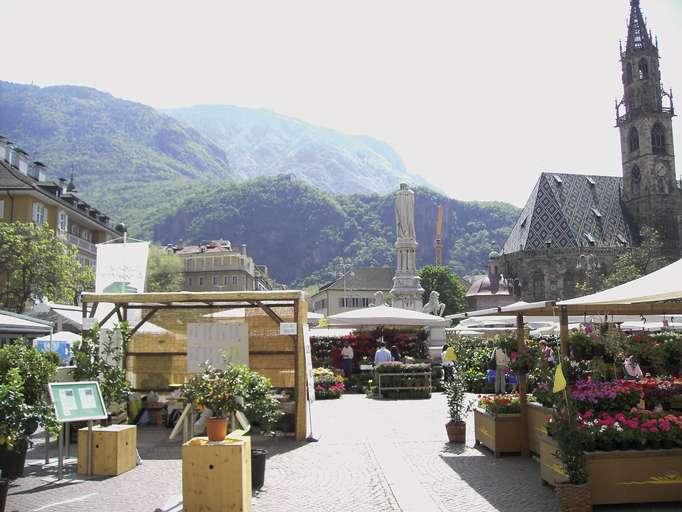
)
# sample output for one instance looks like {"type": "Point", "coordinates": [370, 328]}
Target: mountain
{"type": "Point", "coordinates": [259, 142]}
{"type": "Point", "coordinates": [302, 234]}
{"type": "Point", "coordinates": [128, 158]}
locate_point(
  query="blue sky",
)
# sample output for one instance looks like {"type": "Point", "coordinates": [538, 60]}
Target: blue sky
{"type": "Point", "coordinates": [478, 97]}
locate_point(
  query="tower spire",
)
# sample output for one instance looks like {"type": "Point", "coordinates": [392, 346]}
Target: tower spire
{"type": "Point", "coordinates": [639, 37]}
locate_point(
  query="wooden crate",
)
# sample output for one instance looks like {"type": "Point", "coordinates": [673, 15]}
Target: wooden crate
{"type": "Point", "coordinates": [552, 471]}
{"type": "Point", "coordinates": [114, 450]}
{"type": "Point", "coordinates": [216, 476]}
{"type": "Point", "coordinates": [500, 433]}
{"type": "Point", "coordinates": [622, 476]}
{"type": "Point", "coordinates": [537, 425]}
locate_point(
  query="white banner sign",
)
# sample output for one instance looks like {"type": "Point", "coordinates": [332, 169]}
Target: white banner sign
{"type": "Point", "coordinates": [121, 268]}
{"type": "Point", "coordinates": [308, 363]}
{"type": "Point", "coordinates": [210, 342]}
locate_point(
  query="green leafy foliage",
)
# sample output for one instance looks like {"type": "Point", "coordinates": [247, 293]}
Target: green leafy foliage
{"type": "Point", "coordinates": [36, 369]}
{"type": "Point", "coordinates": [36, 265]}
{"type": "Point", "coordinates": [458, 406]}
{"type": "Point", "coordinates": [448, 285]}
{"type": "Point", "coordinates": [164, 271]}
{"type": "Point", "coordinates": [104, 364]}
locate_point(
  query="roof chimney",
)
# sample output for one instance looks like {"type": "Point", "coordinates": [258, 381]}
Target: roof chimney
{"type": "Point", "coordinates": [244, 249]}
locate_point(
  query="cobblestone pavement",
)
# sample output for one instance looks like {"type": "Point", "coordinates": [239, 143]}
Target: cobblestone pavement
{"type": "Point", "coordinates": [370, 456]}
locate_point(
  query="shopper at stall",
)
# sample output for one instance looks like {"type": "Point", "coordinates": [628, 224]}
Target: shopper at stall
{"type": "Point", "coordinates": [448, 362]}
{"type": "Point", "coordinates": [347, 359]}
{"type": "Point", "coordinates": [632, 369]}
{"type": "Point", "coordinates": [382, 355]}
{"type": "Point", "coordinates": [395, 353]}
{"type": "Point", "coordinates": [501, 365]}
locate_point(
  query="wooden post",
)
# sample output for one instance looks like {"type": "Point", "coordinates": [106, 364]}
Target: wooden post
{"type": "Point", "coordinates": [523, 381]}
{"type": "Point", "coordinates": [300, 317]}
{"type": "Point", "coordinates": [563, 331]}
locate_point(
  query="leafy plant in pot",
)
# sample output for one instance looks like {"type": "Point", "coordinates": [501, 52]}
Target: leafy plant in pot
{"type": "Point", "coordinates": [457, 409]}
{"type": "Point", "coordinates": [218, 390]}
{"type": "Point", "coordinates": [575, 495]}
{"type": "Point", "coordinates": [16, 417]}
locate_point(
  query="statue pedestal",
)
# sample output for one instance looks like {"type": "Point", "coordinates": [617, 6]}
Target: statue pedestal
{"type": "Point", "coordinates": [435, 341]}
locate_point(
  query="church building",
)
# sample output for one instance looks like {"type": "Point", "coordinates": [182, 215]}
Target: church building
{"type": "Point", "coordinates": [574, 223]}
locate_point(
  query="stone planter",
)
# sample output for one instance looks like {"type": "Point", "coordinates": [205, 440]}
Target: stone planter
{"type": "Point", "coordinates": [500, 433]}
{"type": "Point", "coordinates": [627, 476]}
{"type": "Point", "coordinates": [537, 425]}
{"type": "Point", "coordinates": [574, 498]}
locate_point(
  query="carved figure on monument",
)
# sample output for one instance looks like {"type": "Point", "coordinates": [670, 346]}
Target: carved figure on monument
{"type": "Point", "coordinates": [404, 213]}
{"type": "Point", "coordinates": [434, 306]}
{"type": "Point", "coordinates": [379, 299]}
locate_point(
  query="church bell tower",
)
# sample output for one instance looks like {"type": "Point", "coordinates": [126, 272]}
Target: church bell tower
{"type": "Point", "coordinates": [651, 192]}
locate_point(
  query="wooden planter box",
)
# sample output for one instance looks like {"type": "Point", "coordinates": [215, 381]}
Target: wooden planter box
{"type": "Point", "coordinates": [629, 476]}
{"type": "Point", "coordinates": [537, 425]}
{"type": "Point", "coordinates": [500, 433]}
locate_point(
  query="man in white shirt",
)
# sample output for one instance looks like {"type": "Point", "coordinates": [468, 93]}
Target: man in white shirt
{"type": "Point", "coordinates": [501, 364]}
{"type": "Point", "coordinates": [382, 355]}
{"type": "Point", "coordinates": [347, 359]}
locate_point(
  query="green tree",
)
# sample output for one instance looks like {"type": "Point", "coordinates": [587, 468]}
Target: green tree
{"type": "Point", "coordinates": [34, 265]}
{"type": "Point", "coordinates": [448, 285]}
{"type": "Point", "coordinates": [637, 262]}
{"type": "Point", "coordinates": [164, 271]}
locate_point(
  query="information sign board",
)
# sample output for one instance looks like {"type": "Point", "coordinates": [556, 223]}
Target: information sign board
{"type": "Point", "coordinates": [308, 363]}
{"type": "Point", "coordinates": [77, 401]}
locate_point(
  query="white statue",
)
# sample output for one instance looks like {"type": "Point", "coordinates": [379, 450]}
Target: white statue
{"type": "Point", "coordinates": [404, 213]}
{"type": "Point", "coordinates": [379, 299]}
{"type": "Point", "coordinates": [434, 306]}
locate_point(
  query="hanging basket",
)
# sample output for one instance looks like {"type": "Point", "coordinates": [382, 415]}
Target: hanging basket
{"type": "Point", "coordinates": [574, 498]}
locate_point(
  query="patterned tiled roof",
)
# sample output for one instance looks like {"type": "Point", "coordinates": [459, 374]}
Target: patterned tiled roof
{"type": "Point", "coordinates": [570, 211]}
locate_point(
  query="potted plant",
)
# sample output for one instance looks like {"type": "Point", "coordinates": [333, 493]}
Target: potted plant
{"type": "Point", "coordinates": [217, 390]}
{"type": "Point", "coordinates": [574, 495]}
{"type": "Point", "coordinates": [16, 419]}
{"type": "Point", "coordinates": [457, 409]}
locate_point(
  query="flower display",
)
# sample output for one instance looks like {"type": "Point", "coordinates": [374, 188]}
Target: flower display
{"type": "Point", "coordinates": [633, 429]}
{"type": "Point", "coordinates": [617, 395]}
{"type": "Point", "coordinates": [327, 384]}
{"type": "Point", "coordinates": [500, 404]}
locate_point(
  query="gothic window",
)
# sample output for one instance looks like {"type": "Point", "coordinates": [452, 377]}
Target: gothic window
{"type": "Point", "coordinates": [628, 74]}
{"type": "Point", "coordinates": [633, 139]}
{"type": "Point", "coordinates": [643, 70]}
{"type": "Point", "coordinates": [538, 285]}
{"type": "Point", "coordinates": [658, 139]}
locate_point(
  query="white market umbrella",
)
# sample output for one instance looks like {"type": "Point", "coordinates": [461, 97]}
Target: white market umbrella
{"type": "Point", "coordinates": [387, 315]}
{"type": "Point", "coordinates": [650, 326]}
{"type": "Point", "coordinates": [63, 336]}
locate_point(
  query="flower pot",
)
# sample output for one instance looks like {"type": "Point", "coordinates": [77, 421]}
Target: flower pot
{"type": "Point", "coordinates": [12, 462]}
{"type": "Point", "coordinates": [216, 429]}
{"type": "Point", "coordinates": [4, 487]}
{"type": "Point", "coordinates": [574, 498]}
{"type": "Point", "coordinates": [457, 431]}
{"type": "Point", "coordinates": [258, 458]}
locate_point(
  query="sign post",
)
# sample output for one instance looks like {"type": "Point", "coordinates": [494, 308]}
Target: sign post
{"type": "Point", "coordinates": [76, 401]}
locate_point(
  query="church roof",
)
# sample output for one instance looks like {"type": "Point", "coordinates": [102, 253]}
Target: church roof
{"type": "Point", "coordinates": [568, 211]}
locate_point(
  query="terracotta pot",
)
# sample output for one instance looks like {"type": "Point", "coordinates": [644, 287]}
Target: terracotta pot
{"type": "Point", "coordinates": [457, 431]}
{"type": "Point", "coordinates": [574, 498]}
{"type": "Point", "coordinates": [216, 429]}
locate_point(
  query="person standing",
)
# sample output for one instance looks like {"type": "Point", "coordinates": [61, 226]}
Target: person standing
{"type": "Point", "coordinates": [347, 359]}
{"type": "Point", "coordinates": [382, 355]}
{"type": "Point", "coordinates": [395, 353]}
{"type": "Point", "coordinates": [501, 365]}
{"type": "Point", "coordinates": [447, 357]}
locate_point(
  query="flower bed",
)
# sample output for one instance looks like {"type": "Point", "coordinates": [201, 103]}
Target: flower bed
{"type": "Point", "coordinates": [500, 404]}
{"type": "Point", "coordinates": [615, 395]}
{"type": "Point", "coordinates": [327, 385]}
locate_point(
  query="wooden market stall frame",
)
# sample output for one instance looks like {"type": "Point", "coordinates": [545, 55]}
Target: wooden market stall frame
{"type": "Point", "coordinates": [265, 300]}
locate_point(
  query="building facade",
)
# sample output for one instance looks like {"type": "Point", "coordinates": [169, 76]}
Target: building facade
{"type": "Point", "coordinates": [491, 290]}
{"type": "Point", "coordinates": [26, 196]}
{"type": "Point", "coordinates": [573, 224]}
{"type": "Point", "coordinates": [216, 266]}
{"type": "Point", "coordinates": [354, 289]}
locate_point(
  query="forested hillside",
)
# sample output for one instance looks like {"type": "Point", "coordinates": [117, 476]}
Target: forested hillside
{"type": "Point", "coordinates": [303, 234]}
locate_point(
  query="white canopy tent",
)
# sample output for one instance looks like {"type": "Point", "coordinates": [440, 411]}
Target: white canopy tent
{"type": "Point", "coordinates": [63, 336]}
{"type": "Point", "coordinates": [661, 285]}
{"type": "Point", "coordinates": [387, 315]}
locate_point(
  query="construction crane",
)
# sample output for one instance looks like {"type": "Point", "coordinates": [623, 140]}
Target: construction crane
{"type": "Point", "coordinates": [439, 229]}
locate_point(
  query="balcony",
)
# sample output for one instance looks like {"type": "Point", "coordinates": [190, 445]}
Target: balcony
{"type": "Point", "coordinates": [83, 244]}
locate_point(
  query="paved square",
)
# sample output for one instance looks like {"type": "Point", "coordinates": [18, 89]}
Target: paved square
{"type": "Point", "coordinates": [371, 456]}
